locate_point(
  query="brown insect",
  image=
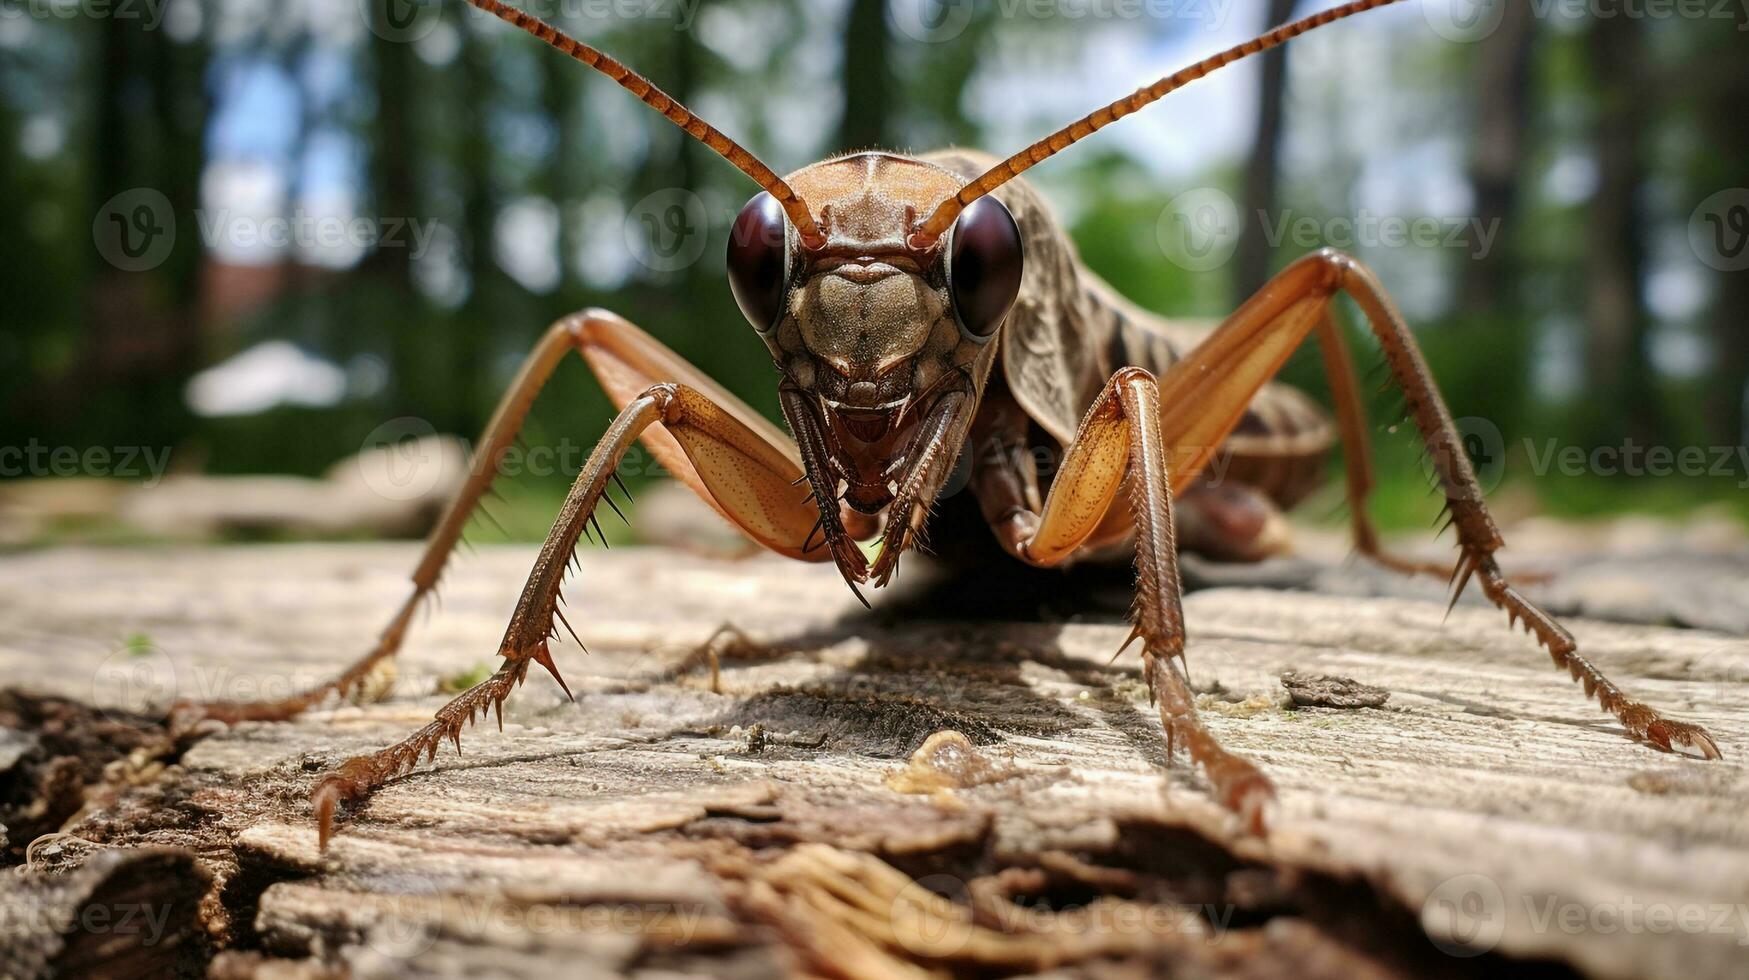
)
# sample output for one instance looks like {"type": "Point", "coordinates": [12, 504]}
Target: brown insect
{"type": "Point", "coordinates": [889, 288]}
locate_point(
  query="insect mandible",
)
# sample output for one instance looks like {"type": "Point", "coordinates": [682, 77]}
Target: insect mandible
{"type": "Point", "coordinates": [924, 308]}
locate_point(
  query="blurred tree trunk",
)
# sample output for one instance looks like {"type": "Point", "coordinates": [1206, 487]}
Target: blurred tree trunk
{"type": "Point", "coordinates": [1618, 370]}
{"type": "Point", "coordinates": [1251, 265]}
{"type": "Point", "coordinates": [142, 338]}
{"type": "Point", "coordinates": [869, 90]}
{"type": "Point", "coordinates": [559, 78]}
{"type": "Point", "coordinates": [393, 304]}
{"type": "Point", "coordinates": [491, 306]}
{"type": "Point", "coordinates": [1722, 84]}
{"type": "Point", "coordinates": [391, 154]}
{"type": "Point", "coordinates": [1497, 162]}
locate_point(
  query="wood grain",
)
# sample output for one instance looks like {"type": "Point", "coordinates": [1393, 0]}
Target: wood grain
{"type": "Point", "coordinates": [657, 825]}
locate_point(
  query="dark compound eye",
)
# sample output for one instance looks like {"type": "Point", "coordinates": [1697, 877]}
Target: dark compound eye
{"type": "Point", "coordinates": [983, 266]}
{"type": "Point", "coordinates": [758, 261]}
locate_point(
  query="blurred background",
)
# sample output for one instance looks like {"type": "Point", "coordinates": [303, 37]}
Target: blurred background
{"type": "Point", "coordinates": [257, 237]}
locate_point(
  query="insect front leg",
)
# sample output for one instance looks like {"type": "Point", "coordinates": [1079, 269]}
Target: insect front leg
{"type": "Point", "coordinates": [501, 432]}
{"type": "Point", "coordinates": [1120, 443]}
{"type": "Point", "coordinates": [736, 466]}
{"type": "Point", "coordinates": [625, 360]}
{"type": "Point", "coordinates": [1205, 393]}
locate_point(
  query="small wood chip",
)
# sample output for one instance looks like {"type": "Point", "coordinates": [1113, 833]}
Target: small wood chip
{"type": "Point", "coordinates": [1329, 691]}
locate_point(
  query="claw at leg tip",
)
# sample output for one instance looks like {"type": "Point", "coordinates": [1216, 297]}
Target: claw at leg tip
{"type": "Point", "coordinates": [325, 796]}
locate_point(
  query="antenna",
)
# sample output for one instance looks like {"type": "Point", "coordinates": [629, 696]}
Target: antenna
{"type": "Point", "coordinates": [677, 114]}
{"type": "Point", "coordinates": [943, 217]}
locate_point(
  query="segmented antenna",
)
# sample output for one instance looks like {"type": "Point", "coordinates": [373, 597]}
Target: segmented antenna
{"type": "Point", "coordinates": [942, 218]}
{"type": "Point", "coordinates": [677, 114]}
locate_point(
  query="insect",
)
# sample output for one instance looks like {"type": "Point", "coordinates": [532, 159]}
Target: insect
{"type": "Point", "coordinates": [921, 309]}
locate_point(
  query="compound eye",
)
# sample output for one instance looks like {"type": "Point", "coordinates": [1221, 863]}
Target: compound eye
{"type": "Point", "coordinates": [984, 260]}
{"type": "Point", "coordinates": [758, 261]}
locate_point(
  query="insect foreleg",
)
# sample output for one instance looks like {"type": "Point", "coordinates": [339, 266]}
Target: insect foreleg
{"type": "Point", "coordinates": [747, 477]}
{"type": "Point", "coordinates": [626, 361]}
{"type": "Point", "coordinates": [501, 432]}
{"type": "Point", "coordinates": [1119, 444]}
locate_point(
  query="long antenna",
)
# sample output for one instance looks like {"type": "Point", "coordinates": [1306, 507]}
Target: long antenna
{"type": "Point", "coordinates": [943, 217]}
{"type": "Point", "coordinates": [677, 114]}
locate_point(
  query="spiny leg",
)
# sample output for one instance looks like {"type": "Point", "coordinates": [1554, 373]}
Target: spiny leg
{"type": "Point", "coordinates": [500, 434]}
{"type": "Point", "coordinates": [625, 360]}
{"type": "Point", "coordinates": [747, 477]}
{"type": "Point", "coordinates": [1357, 450]}
{"type": "Point", "coordinates": [1206, 391]}
{"type": "Point", "coordinates": [1119, 443]}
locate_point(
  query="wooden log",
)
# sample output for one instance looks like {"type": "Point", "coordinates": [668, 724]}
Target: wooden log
{"type": "Point", "coordinates": [1484, 819]}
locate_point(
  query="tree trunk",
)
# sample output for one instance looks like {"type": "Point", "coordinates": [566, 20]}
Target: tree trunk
{"type": "Point", "coordinates": [1251, 261]}
{"type": "Point", "coordinates": [868, 79]}
{"type": "Point", "coordinates": [1618, 325]}
{"type": "Point", "coordinates": [1503, 109]}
